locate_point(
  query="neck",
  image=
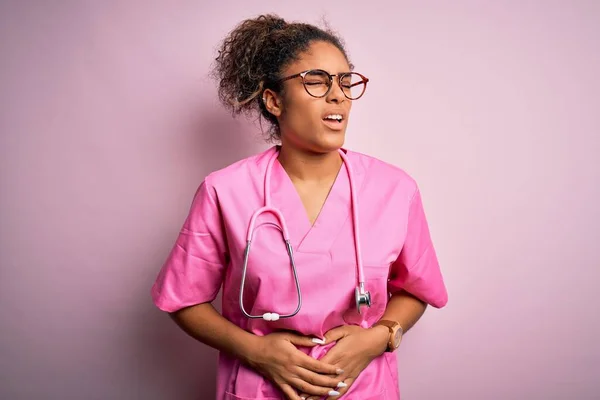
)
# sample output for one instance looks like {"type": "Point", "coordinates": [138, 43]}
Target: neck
{"type": "Point", "coordinates": [308, 166]}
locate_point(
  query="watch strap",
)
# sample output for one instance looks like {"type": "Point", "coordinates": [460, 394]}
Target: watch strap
{"type": "Point", "coordinates": [391, 325]}
{"type": "Point", "coordinates": [386, 322]}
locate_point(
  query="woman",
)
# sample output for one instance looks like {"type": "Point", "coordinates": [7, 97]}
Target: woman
{"type": "Point", "coordinates": [364, 268]}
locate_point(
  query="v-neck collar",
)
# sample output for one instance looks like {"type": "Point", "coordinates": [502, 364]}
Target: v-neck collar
{"type": "Point", "coordinates": [319, 237]}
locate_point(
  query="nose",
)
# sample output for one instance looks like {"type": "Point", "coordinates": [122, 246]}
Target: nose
{"type": "Point", "coordinates": [335, 95]}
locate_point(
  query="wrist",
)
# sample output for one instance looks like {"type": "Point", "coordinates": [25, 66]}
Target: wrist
{"type": "Point", "coordinates": [380, 338]}
{"type": "Point", "coordinates": [249, 349]}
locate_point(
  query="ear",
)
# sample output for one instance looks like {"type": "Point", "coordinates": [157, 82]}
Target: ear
{"type": "Point", "coordinates": [273, 102]}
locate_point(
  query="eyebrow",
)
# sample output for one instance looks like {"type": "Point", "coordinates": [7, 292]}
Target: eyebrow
{"type": "Point", "coordinates": [323, 69]}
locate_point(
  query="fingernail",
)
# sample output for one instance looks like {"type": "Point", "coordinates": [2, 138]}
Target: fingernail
{"type": "Point", "coordinates": [318, 341]}
{"type": "Point", "coordinates": [333, 393]}
{"type": "Point", "coordinates": [342, 385]}
{"type": "Point", "coordinates": [303, 397]}
{"type": "Point", "coordinates": [339, 371]}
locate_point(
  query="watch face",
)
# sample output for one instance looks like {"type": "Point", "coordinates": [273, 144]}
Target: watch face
{"type": "Point", "coordinates": [397, 338]}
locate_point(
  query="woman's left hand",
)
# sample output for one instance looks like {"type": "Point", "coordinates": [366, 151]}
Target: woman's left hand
{"type": "Point", "coordinates": [356, 347]}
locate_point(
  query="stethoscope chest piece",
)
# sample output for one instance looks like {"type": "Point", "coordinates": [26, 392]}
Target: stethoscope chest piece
{"type": "Point", "coordinates": [362, 298]}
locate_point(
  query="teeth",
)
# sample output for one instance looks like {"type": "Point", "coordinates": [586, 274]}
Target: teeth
{"type": "Point", "coordinates": [336, 117]}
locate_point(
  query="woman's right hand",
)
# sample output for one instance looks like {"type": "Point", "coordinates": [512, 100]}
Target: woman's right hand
{"type": "Point", "coordinates": [276, 357]}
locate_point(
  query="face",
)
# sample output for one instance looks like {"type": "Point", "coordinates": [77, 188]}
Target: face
{"type": "Point", "coordinates": [303, 118]}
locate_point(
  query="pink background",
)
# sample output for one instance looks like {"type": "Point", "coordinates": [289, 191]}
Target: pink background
{"type": "Point", "coordinates": [108, 124]}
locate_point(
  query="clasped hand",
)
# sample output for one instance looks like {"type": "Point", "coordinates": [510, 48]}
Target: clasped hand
{"type": "Point", "coordinates": [278, 359]}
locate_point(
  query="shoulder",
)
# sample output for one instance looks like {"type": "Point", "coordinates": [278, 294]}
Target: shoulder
{"type": "Point", "coordinates": [238, 173]}
{"type": "Point", "coordinates": [383, 173]}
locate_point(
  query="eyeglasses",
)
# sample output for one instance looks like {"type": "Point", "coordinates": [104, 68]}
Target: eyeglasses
{"type": "Point", "coordinates": [318, 83]}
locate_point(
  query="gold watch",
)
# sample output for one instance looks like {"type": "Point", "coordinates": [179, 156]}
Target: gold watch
{"type": "Point", "coordinates": [395, 333]}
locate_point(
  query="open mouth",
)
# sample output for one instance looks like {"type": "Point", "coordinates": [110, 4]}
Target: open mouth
{"type": "Point", "coordinates": [334, 118]}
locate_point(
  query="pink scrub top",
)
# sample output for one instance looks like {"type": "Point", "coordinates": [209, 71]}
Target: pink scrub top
{"type": "Point", "coordinates": [397, 254]}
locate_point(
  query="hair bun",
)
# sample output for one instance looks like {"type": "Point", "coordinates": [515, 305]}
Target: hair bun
{"type": "Point", "coordinates": [274, 22]}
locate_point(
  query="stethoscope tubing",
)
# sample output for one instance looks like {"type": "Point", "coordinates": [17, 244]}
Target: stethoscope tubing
{"type": "Point", "coordinates": [362, 297]}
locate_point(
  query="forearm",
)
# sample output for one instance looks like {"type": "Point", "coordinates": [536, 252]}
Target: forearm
{"type": "Point", "coordinates": [205, 324]}
{"type": "Point", "coordinates": [404, 308]}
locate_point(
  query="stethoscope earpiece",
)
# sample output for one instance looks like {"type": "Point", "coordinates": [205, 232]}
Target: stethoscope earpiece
{"type": "Point", "coordinates": [270, 316]}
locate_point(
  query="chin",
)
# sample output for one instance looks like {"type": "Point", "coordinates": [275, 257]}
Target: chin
{"type": "Point", "coordinates": [324, 142]}
{"type": "Point", "coordinates": [336, 139]}
{"type": "Point", "coordinates": [329, 143]}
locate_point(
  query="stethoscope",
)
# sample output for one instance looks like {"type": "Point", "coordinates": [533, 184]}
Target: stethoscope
{"type": "Point", "coordinates": [362, 297]}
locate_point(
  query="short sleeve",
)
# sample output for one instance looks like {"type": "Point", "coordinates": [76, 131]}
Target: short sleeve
{"type": "Point", "coordinates": [193, 271]}
{"type": "Point", "coordinates": [417, 270]}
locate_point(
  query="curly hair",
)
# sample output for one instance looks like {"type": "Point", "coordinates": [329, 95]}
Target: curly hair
{"type": "Point", "coordinates": [252, 56]}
